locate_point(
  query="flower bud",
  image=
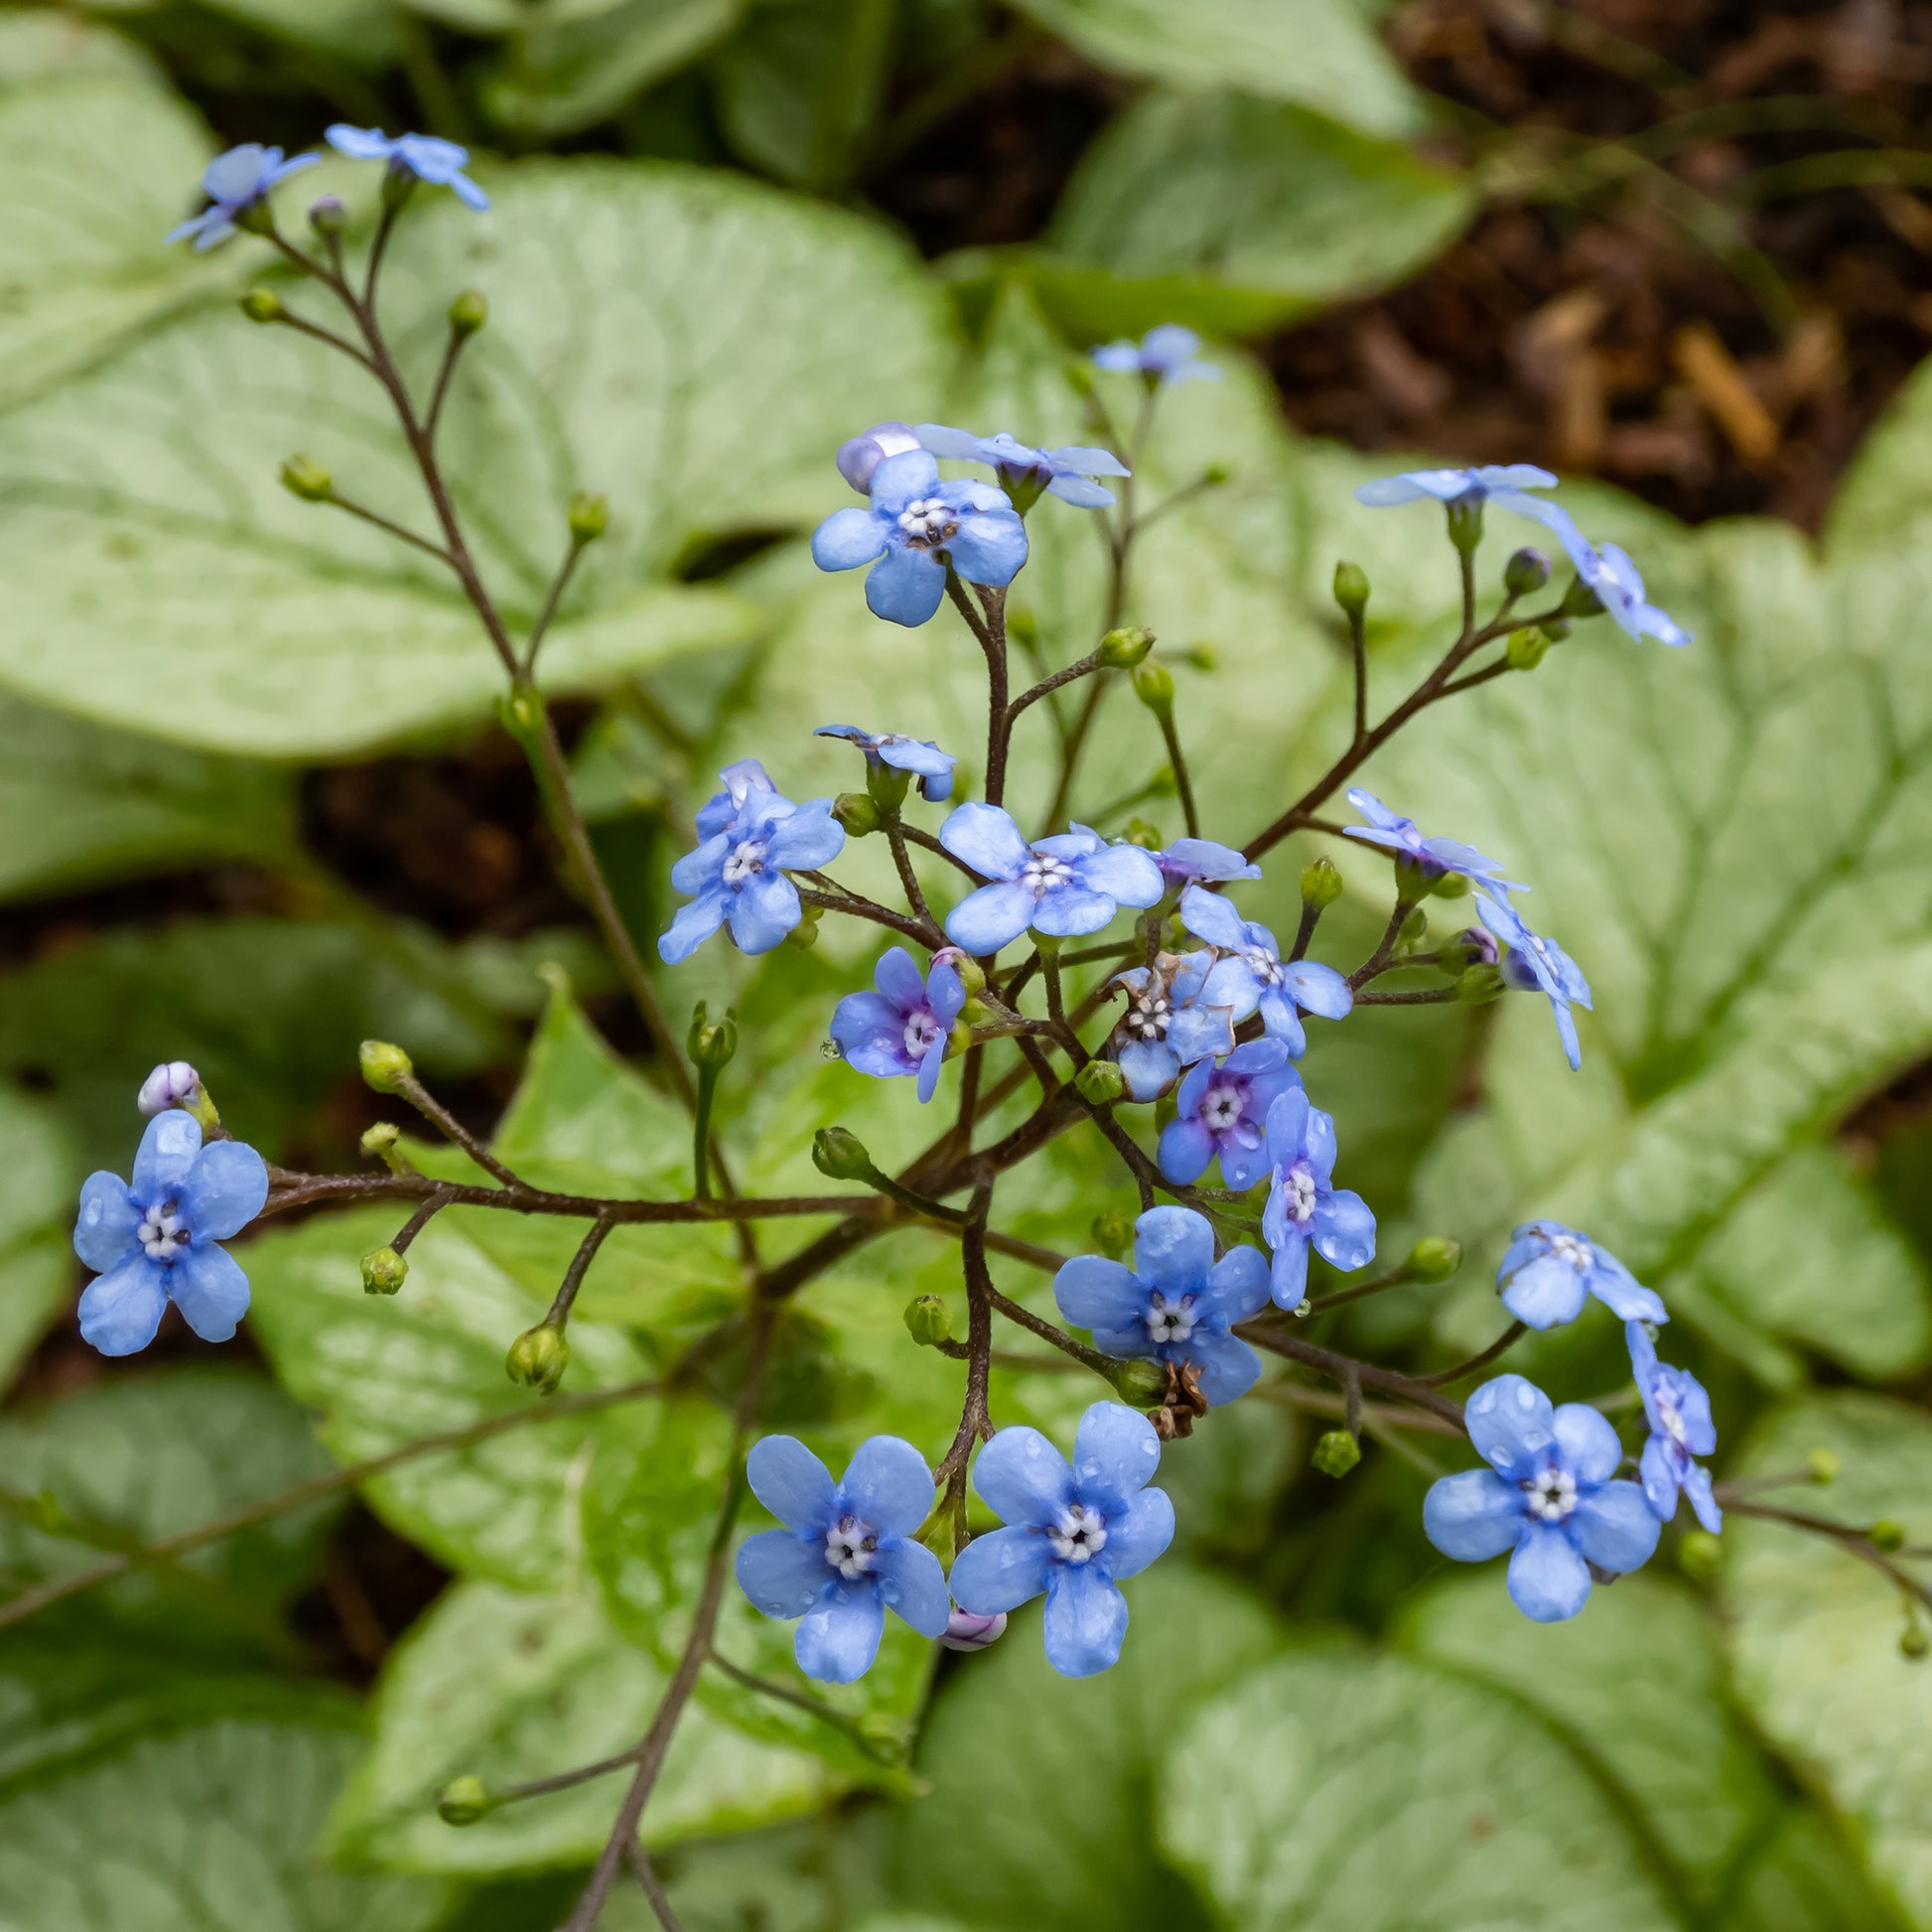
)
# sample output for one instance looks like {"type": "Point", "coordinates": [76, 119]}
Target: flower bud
{"type": "Point", "coordinates": [1100, 1083]}
{"type": "Point", "coordinates": [1415, 930]}
{"type": "Point", "coordinates": [1435, 1257]}
{"type": "Point", "coordinates": [1147, 836]}
{"type": "Point", "coordinates": [1913, 1643]}
{"type": "Point", "coordinates": [1886, 1535]}
{"type": "Point", "coordinates": [1139, 1383]}
{"type": "Point", "coordinates": [805, 935]}
{"type": "Point", "coordinates": [1526, 649]}
{"type": "Point", "coordinates": [1700, 1556]}
{"type": "Point", "coordinates": [328, 215]}
{"type": "Point", "coordinates": [589, 516]}
{"type": "Point", "coordinates": [1122, 650]}
{"type": "Point", "coordinates": [257, 218]}
{"type": "Point", "coordinates": [1154, 686]}
{"type": "Point", "coordinates": [1528, 570]}
{"type": "Point", "coordinates": [464, 1801]}
{"type": "Point", "coordinates": [1113, 1232]}
{"type": "Point", "coordinates": [521, 711]}
{"type": "Point", "coordinates": [263, 304]}
{"type": "Point", "coordinates": [1821, 1467]}
{"type": "Point", "coordinates": [971, 975]}
{"type": "Point", "coordinates": [538, 1357]}
{"type": "Point", "coordinates": [1554, 628]}
{"type": "Point", "coordinates": [174, 1083]}
{"type": "Point", "coordinates": [1351, 589]}
{"type": "Point", "coordinates": [1476, 986]}
{"type": "Point", "coordinates": [965, 1631]}
{"type": "Point", "coordinates": [469, 312]}
{"type": "Point", "coordinates": [1449, 885]}
{"type": "Point", "coordinates": [887, 786]}
{"type": "Point", "coordinates": [302, 476]}
{"type": "Point", "coordinates": [862, 454]}
{"type": "Point", "coordinates": [927, 1320]}
{"type": "Point", "coordinates": [1336, 1452]}
{"type": "Point", "coordinates": [711, 1046]}
{"type": "Point", "coordinates": [1320, 884]}
{"type": "Point", "coordinates": [1465, 521]}
{"type": "Point", "coordinates": [383, 1271]}
{"type": "Point", "coordinates": [399, 183]}
{"type": "Point", "coordinates": [839, 1154]}
{"type": "Point", "coordinates": [1579, 601]}
{"type": "Point", "coordinates": [384, 1067]}
{"type": "Point", "coordinates": [380, 1144]}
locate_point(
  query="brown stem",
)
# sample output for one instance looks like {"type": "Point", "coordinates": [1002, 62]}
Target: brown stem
{"type": "Point", "coordinates": [1505, 1341]}
{"type": "Point", "coordinates": [840, 900]}
{"type": "Point", "coordinates": [1337, 1368]}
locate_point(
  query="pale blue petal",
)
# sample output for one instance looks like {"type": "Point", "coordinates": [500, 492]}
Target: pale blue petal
{"type": "Point", "coordinates": [945, 994]}
{"type": "Point", "coordinates": [989, 547]}
{"type": "Point", "coordinates": [1283, 1023]}
{"type": "Point", "coordinates": [955, 445]}
{"type": "Point", "coordinates": [931, 1067]}
{"type": "Point", "coordinates": [704, 863]}
{"type": "Point", "coordinates": [1237, 1285]}
{"type": "Point", "coordinates": [1544, 1293]}
{"type": "Point", "coordinates": [1629, 1299]}
{"type": "Point", "coordinates": [807, 837]}
{"type": "Point", "coordinates": [1000, 1572]}
{"type": "Point", "coordinates": [104, 1232]}
{"type": "Point", "coordinates": [1342, 1228]}
{"type": "Point", "coordinates": [792, 1483]}
{"type": "Point", "coordinates": [1092, 1292]}
{"type": "Point", "coordinates": [1137, 1534]}
{"type": "Point", "coordinates": [1198, 1033]}
{"type": "Point", "coordinates": [888, 1484]}
{"type": "Point", "coordinates": [1473, 1516]}
{"type": "Point", "coordinates": [1697, 1486]}
{"type": "Point", "coordinates": [1241, 1167]}
{"type": "Point", "coordinates": [120, 1311]}
{"type": "Point", "coordinates": [1287, 1125]}
{"type": "Point", "coordinates": [1081, 494]}
{"type": "Point", "coordinates": [1289, 1273]}
{"type": "Point", "coordinates": [987, 838]}
{"type": "Point", "coordinates": [1115, 1454]}
{"type": "Point", "coordinates": [1210, 917]}
{"type": "Point", "coordinates": [211, 1291]}
{"type": "Point", "coordinates": [1228, 1367]}
{"type": "Point", "coordinates": [1549, 1580]}
{"type": "Point", "coordinates": [1174, 1249]}
{"type": "Point", "coordinates": [1510, 1422]}
{"type": "Point", "coordinates": [693, 926]}
{"type": "Point", "coordinates": [905, 586]}
{"type": "Point", "coordinates": [225, 1189]}
{"type": "Point", "coordinates": [1022, 1479]}
{"type": "Point", "coordinates": [1320, 988]}
{"type": "Point", "coordinates": [992, 918]}
{"type": "Point", "coordinates": [838, 1637]}
{"type": "Point", "coordinates": [913, 1586]}
{"type": "Point", "coordinates": [783, 1575]}
{"type": "Point", "coordinates": [1186, 1148]}
{"type": "Point", "coordinates": [166, 1156]}
{"type": "Point", "coordinates": [1617, 1528]}
{"type": "Point", "coordinates": [762, 910]}
{"type": "Point", "coordinates": [1072, 912]}
{"type": "Point", "coordinates": [902, 476]}
{"type": "Point", "coordinates": [871, 1035]}
{"type": "Point", "coordinates": [360, 143]}
{"type": "Point", "coordinates": [1086, 1620]}
{"type": "Point", "coordinates": [1086, 460]}
{"type": "Point", "coordinates": [1658, 1466]}
{"type": "Point", "coordinates": [1586, 1442]}
{"type": "Point", "coordinates": [1147, 1065]}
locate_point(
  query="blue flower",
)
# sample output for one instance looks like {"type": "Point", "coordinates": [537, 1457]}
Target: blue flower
{"type": "Point", "coordinates": [1077, 1533]}
{"type": "Point", "coordinates": [1548, 1496]}
{"type": "Point", "coordinates": [437, 161]}
{"type": "Point", "coordinates": [916, 527]}
{"type": "Point", "coordinates": [234, 181]}
{"type": "Point", "coordinates": [846, 1553]}
{"type": "Point", "coordinates": [1503, 484]}
{"type": "Point", "coordinates": [1066, 886]}
{"type": "Point", "coordinates": [1613, 577]}
{"type": "Point", "coordinates": [1547, 1269]}
{"type": "Point", "coordinates": [1302, 1207]}
{"type": "Point", "coordinates": [1187, 859]}
{"type": "Point", "coordinates": [1679, 1413]}
{"type": "Point", "coordinates": [154, 1239]}
{"type": "Point", "coordinates": [1536, 964]}
{"type": "Point", "coordinates": [739, 782]}
{"type": "Point", "coordinates": [903, 754]}
{"type": "Point", "coordinates": [1164, 355]}
{"type": "Point", "coordinates": [1166, 1025]}
{"type": "Point", "coordinates": [1405, 839]}
{"type": "Point", "coordinates": [859, 456]}
{"type": "Point", "coordinates": [903, 1027]}
{"type": "Point", "coordinates": [1025, 471]}
{"type": "Point", "coordinates": [1224, 1110]}
{"type": "Point", "coordinates": [1251, 976]}
{"type": "Point", "coordinates": [1176, 1303]}
{"type": "Point", "coordinates": [738, 875]}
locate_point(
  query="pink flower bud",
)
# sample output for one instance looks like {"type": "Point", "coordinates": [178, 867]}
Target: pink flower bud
{"type": "Point", "coordinates": [174, 1083]}
{"type": "Point", "coordinates": [965, 1631]}
{"type": "Point", "coordinates": [862, 454]}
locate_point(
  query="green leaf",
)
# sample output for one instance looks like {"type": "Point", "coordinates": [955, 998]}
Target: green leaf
{"type": "Point", "coordinates": [149, 550]}
{"type": "Point", "coordinates": [1033, 1774]}
{"type": "Point", "coordinates": [1323, 53]}
{"type": "Point", "coordinates": [1237, 215]}
{"type": "Point", "coordinates": [101, 161]}
{"type": "Point", "coordinates": [509, 1689]}
{"type": "Point", "coordinates": [208, 1829]}
{"type": "Point", "coordinates": [1805, 1878]}
{"type": "Point", "coordinates": [83, 805]}
{"type": "Point", "coordinates": [1815, 1631]}
{"type": "Point", "coordinates": [1334, 1791]}
{"type": "Point", "coordinates": [360, 31]}
{"type": "Point", "coordinates": [37, 1264]}
{"type": "Point", "coordinates": [386, 1371]}
{"type": "Point", "coordinates": [506, 15]}
{"type": "Point", "coordinates": [1635, 1688]}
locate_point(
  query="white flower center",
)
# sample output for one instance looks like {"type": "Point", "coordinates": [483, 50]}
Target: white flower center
{"type": "Point", "coordinates": [1576, 1251]}
{"type": "Point", "coordinates": [921, 1029]}
{"type": "Point", "coordinates": [1297, 1193]}
{"type": "Point", "coordinates": [743, 861]}
{"type": "Point", "coordinates": [1668, 1413]}
{"type": "Point", "coordinates": [1552, 1494]}
{"type": "Point", "coordinates": [1263, 964]}
{"type": "Point", "coordinates": [927, 522]}
{"type": "Point", "coordinates": [161, 1233]}
{"type": "Point", "coordinates": [1079, 1535]}
{"type": "Point", "coordinates": [1149, 1016]}
{"type": "Point", "coordinates": [1042, 874]}
{"type": "Point", "coordinates": [1221, 1108]}
{"type": "Point", "coordinates": [848, 1547]}
{"type": "Point", "coordinates": [1169, 1320]}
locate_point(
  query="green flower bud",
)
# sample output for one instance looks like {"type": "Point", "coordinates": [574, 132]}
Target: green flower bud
{"type": "Point", "coordinates": [1579, 601]}
{"type": "Point", "coordinates": [857, 813]}
{"type": "Point", "coordinates": [302, 476]}
{"type": "Point", "coordinates": [839, 1154]}
{"type": "Point", "coordinates": [1147, 836]}
{"type": "Point", "coordinates": [1139, 1383]}
{"type": "Point", "coordinates": [1351, 588]}
{"type": "Point", "coordinates": [1556, 629]}
{"type": "Point", "coordinates": [1336, 1452]}
{"type": "Point", "coordinates": [1320, 884]}
{"type": "Point", "coordinates": [1886, 1535]}
{"type": "Point", "coordinates": [887, 786]}
{"type": "Point", "coordinates": [1449, 885]}
{"type": "Point", "coordinates": [972, 976]}
{"type": "Point", "coordinates": [464, 1801]}
{"type": "Point", "coordinates": [805, 935]}
{"type": "Point", "coordinates": [1528, 570]}
{"type": "Point", "coordinates": [589, 516]}
{"type": "Point", "coordinates": [1154, 686]}
{"type": "Point", "coordinates": [1465, 522]}
{"type": "Point", "coordinates": [467, 313]}
{"type": "Point", "coordinates": [328, 215]}
{"type": "Point", "coordinates": [1435, 1257]}
{"type": "Point", "coordinates": [1122, 650]}
{"type": "Point", "coordinates": [380, 1144]}
{"type": "Point", "coordinates": [711, 1046]}
{"type": "Point", "coordinates": [1913, 1643]}
{"type": "Point", "coordinates": [399, 183]}
{"type": "Point", "coordinates": [521, 711]}
{"type": "Point", "coordinates": [384, 1067]}
{"type": "Point", "coordinates": [262, 304]}
{"type": "Point", "coordinates": [1821, 1465]}
{"type": "Point", "coordinates": [256, 219]}
{"type": "Point", "coordinates": [1700, 1556]}
{"type": "Point", "coordinates": [1100, 1083]}
{"type": "Point", "coordinates": [927, 1320]}
{"type": "Point", "coordinates": [383, 1271]}
{"type": "Point", "coordinates": [538, 1357]}
{"type": "Point", "coordinates": [1526, 649]}
{"type": "Point", "coordinates": [1415, 930]}
{"type": "Point", "coordinates": [1476, 986]}
{"type": "Point", "coordinates": [1113, 1232]}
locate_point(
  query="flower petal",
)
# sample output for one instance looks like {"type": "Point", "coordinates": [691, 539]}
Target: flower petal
{"type": "Point", "coordinates": [1658, 1468]}
{"type": "Point", "coordinates": [1548, 1581]}
{"type": "Point", "coordinates": [782, 1574]}
{"type": "Point", "coordinates": [103, 1234]}
{"type": "Point", "coordinates": [1092, 1292]}
{"type": "Point", "coordinates": [1510, 1422]}
{"type": "Point", "coordinates": [1318, 989]}
{"type": "Point", "coordinates": [1022, 1479]}
{"type": "Point", "coordinates": [900, 980]}
{"type": "Point", "coordinates": [992, 918]}
{"type": "Point", "coordinates": [1617, 1528]}
{"type": "Point", "coordinates": [1288, 1279]}
{"type": "Point", "coordinates": [900, 478]}
{"type": "Point", "coordinates": [1210, 917]}
{"type": "Point", "coordinates": [762, 910]}
{"type": "Point", "coordinates": [1139, 1533]}
{"type": "Point", "coordinates": [1237, 1285]}
{"type": "Point", "coordinates": [1344, 1230]}
{"type": "Point", "coordinates": [1174, 1249]}
{"type": "Point", "coordinates": [1697, 1486]}
{"type": "Point", "coordinates": [1086, 1620]}
{"type": "Point", "coordinates": [120, 1311]}
{"type": "Point", "coordinates": [913, 1586]}
{"type": "Point", "coordinates": [888, 1484]}
{"type": "Point", "coordinates": [211, 1291]}
{"type": "Point", "coordinates": [987, 838]}
{"type": "Point", "coordinates": [1610, 1280]}
{"type": "Point", "coordinates": [1288, 1126]}
{"type": "Point", "coordinates": [1186, 1148]}
{"type": "Point", "coordinates": [1115, 1454]}
{"type": "Point", "coordinates": [1071, 911]}
{"type": "Point", "coordinates": [1545, 1293]}
{"type": "Point", "coordinates": [1228, 1367]}
{"type": "Point", "coordinates": [838, 1637]}
{"type": "Point", "coordinates": [792, 1483]}
{"type": "Point", "coordinates": [931, 1067]}
{"type": "Point", "coordinates": [1148, 1066]}
{"type": "Point", "coordinates": [989, 547]}
{"type": "Point", "coordinates": [1001, 1570]}
{"type": "Point", "coordinates": [693, 926]}
{"type": "Point", "coordinates": [166, 1156]}
{"type": "Point", "coordinates": [1473, 1515]}
{"type": "Point", "coordinates": [225, 1189]}
{"type": "Point", "coordinates": [1081, 494]}
{"type": "Point", "coordinates": [905, 586]}
{"type": "Point", "coordinates": [1124, 872]}
{"type": "Point", "coordinates": [1587, 1443]}
{"type": "Point", "coordinates": [1198, 1033]}
{"type": "Point", "coordinates": [807, 837]}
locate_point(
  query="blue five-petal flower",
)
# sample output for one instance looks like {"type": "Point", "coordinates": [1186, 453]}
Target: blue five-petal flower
{"type": "Point", "coordinates": [845, 1554]}
{"type": "Point", "coordinates": [916, 527]}
{"type": "Point", "coordinates": [1075, 1532]}
{"type": "Point", "coordinates": [1547, 1269]}
{"type": "Point", "coordinates": [1503, 484]}
{"type": "Point", "coordinates": [1548, 1496]}
{"type": "Point", "coordinates": [234, 181]}
{"type": "Point", "coordinates": [1066, 886]}
{"type": "Point", "coordinates": [1176, 1304]}
{"type": "Point", "coordinates": [904, 1026]}
{"type": "Point", "coordinates": [1223, 1110]}
{"type": "Point", "coordinates": [1168, 354]}
{"type": "Point", "coordinates": [920, 755]}
{"type": "Point", "coordinates": [1679, 1413]}
{"type": "Point", "coordinates": [1168, 1025]}
{"type": "Point", "coordinates": [1536, 964]}
{"type": "Point", "coordinates": [426, 156]}
{"type": "Point", "coordinates": [154, 1238]}
{"type": "Point", "coordinates": [1251, 976]}
{"type": "Point", "coordinates": [1025, 471]}
{"type": "Point", "coordinates": [1303, 1208]}
{"type": "Point", "coordinates": [739, 780]}
{"type": "Point", "coordinates": [1435, 857]}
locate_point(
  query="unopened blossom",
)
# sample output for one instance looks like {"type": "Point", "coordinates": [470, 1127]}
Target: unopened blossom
{"type": "Point", "coordinates": [1548, 1270]}
{"type": "Point", "coordinates": [737, 876]}
{"type": "Point", "coordinates": [1167, 1023]}
{"type": "Point", "coordinates": [1536, 964]}
{"type": "Point", "coordinates": [1073, 1530]}
{"type": "Point", "coordinates": [847, 1553]}
{"type": "Point", "coordinates": [1066, 886]}
{"type": "Point", "coordinates": [1433, 857]}
{"type": "Point", "coordinates": [1167, 354]}
{"type": "Point", "coordinates": [174, 1083]}
{"type": "Point", "coordinates": [425, 156]}
{"type": "Point", "coordinates": [233, 182]}
{"type": "Point", "coordinates": [1222, 1109]}
{"type": "Point", "coordinates": [859, 456]}
{"type": "Point", "coordinates": [965, 1631]}
{"type": "Point", "coordinates": [1305, 1210]}
{"type": "Point", "coordinates": [903, 1027]}
{"type": "Point", "coordinates": [1548, 1497]}
{"type": "Point", "coordinates": [154, 1238]}
{"type": "Point", "coordinates": [1175, 1305]}
{"type": "Point", "coordinates": [1025, 471]}
{"type": "Point", "coordinates": [920, 755]}
{"type": "Point", "coordinates": [1251, 976]}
